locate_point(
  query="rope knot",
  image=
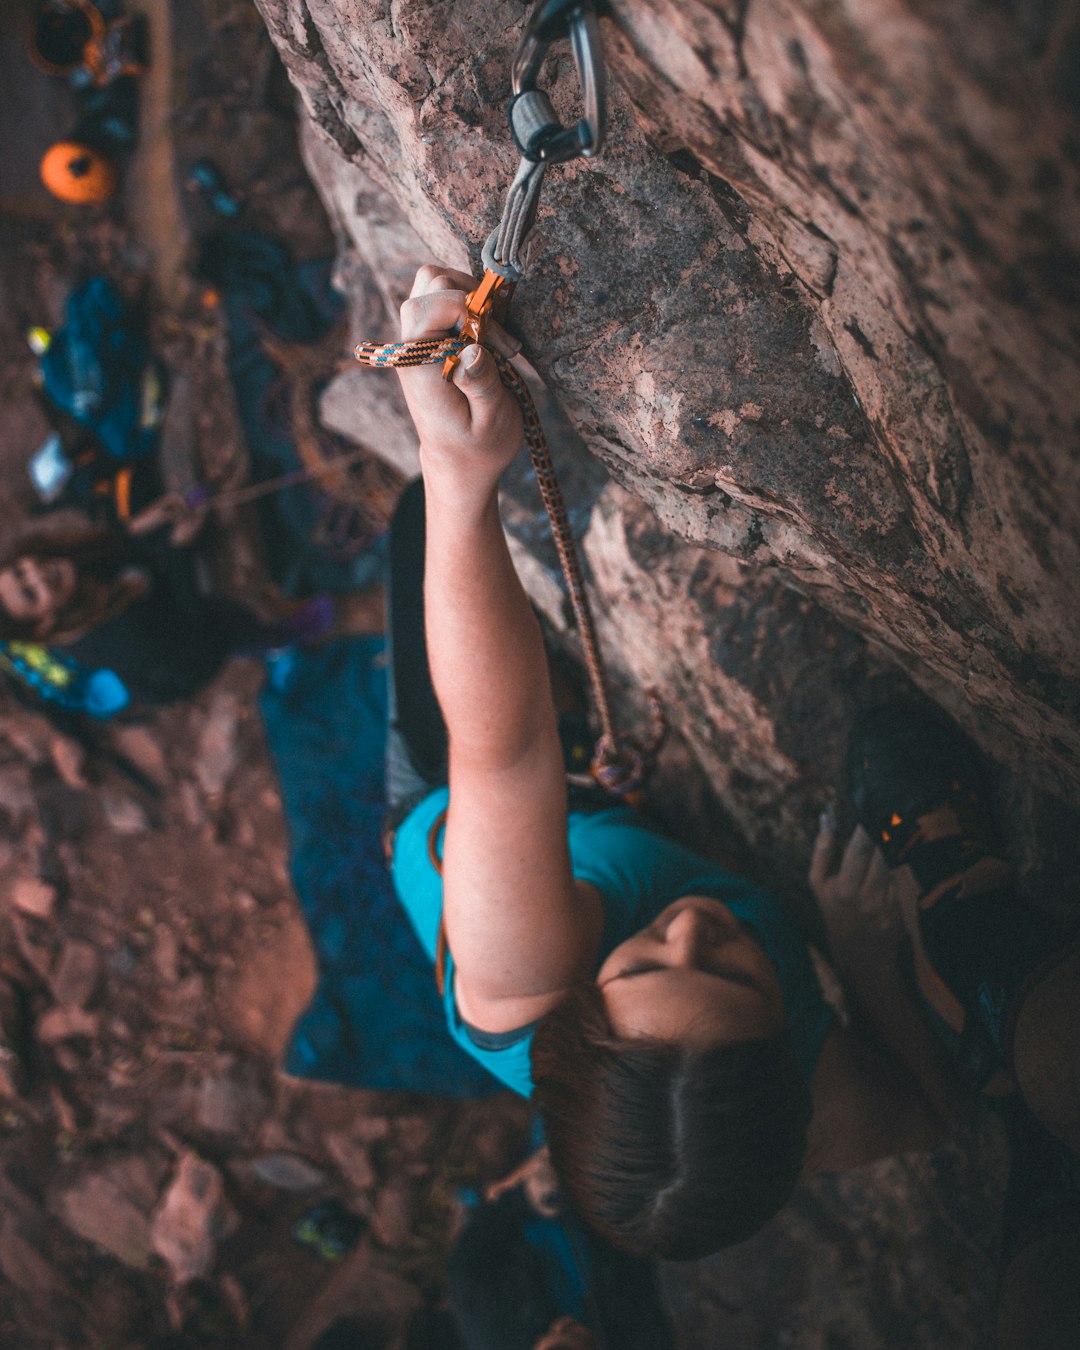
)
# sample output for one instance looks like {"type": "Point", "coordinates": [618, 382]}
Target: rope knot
{"type": "Point", "coordinates": [621, 764]}
{"type": "Point", "coordinates": [618, 766]}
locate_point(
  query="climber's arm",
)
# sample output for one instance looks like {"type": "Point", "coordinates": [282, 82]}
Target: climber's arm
{"type": "Point", "coordinates": [516, 926]}
{"type": "Point", "coordinates": [882, 1086]}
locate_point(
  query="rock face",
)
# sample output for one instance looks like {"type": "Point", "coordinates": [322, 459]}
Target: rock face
{"type": "Point", "coordinates": [815, 305]}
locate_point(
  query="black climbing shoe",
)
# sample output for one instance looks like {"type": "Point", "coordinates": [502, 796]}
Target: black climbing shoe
{"type": "Point", "coordinates": [921, 791]}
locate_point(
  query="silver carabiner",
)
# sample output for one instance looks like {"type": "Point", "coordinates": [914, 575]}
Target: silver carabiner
{"type": "Point", "coordinates": [538, 133]}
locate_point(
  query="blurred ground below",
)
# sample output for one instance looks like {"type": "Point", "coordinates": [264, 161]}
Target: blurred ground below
{"type": "Point", "coordinates": [151, 936]}
{"type": "Point", "coordinates": [152, 954]}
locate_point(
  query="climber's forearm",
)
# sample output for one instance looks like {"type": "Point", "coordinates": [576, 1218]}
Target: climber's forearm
{"type": "Point", "coordinates": [484, 644]}
{"type": "Point", "coordinates": [515, 924]}
{"type": "Point", "coordinates": [868, 963]}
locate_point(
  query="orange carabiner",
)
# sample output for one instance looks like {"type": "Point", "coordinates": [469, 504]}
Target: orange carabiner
{"type": "Point", "coordinates": [478, 305]}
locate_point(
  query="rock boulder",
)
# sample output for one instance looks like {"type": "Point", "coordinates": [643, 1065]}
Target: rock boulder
{"type": "Point", "coordinates": [815, 306]}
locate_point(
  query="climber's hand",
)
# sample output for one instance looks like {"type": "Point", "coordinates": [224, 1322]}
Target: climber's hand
{"type": "Point", "coordinates": [469, 426]}
{"type": "Point", "coordinates": [858, 893]}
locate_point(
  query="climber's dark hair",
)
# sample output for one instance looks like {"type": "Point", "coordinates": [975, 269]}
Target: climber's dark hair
{"type": "Point", "coordinates": [668, 1152]}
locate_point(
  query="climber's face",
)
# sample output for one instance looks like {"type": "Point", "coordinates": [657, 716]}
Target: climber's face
{"type": "Point", "coordinates": [694, 977]}
{"type": "Point", "coordinates": [34, 590]}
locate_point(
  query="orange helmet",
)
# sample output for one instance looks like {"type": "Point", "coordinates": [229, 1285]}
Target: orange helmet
{"type": "Point", "coordinates": [78, 173]}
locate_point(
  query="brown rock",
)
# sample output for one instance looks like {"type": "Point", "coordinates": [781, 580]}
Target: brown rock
{"type": "Point", "coordinates": [28, 941]}
{"type": "Point", "coordinates": [23, 1260]}
{"type": "Point", "coordinates": [190, 1219]}
{"type": "Point", "coordinates": [416, 1135]}
{"type": "Point", "coordinates": [166, 954]}
{"type": "Point", "coordinates": [353, 1159]}
{"type": "Point", "coordinates": [273, 985]}
{"type": "Point", "coordinates": [111, 1206]}
{"type": "Point", "coordinates": [371, 1129]}
{"type": "Point", "coordinates": [29, 735]}
{"type": "Point", "coordinates": [236, 1300]}
{"type": "Point", "coordinates": [489, 1142]}
{"type": "Point", "coordinates": [115, 1113]}
{"type": "Point", "coordinates": [358, 1288]}
{"type": "Point", "coordinates": [76, 974]}
{"type": "Point", "coordinates": [395, 1215]}
{"type": "Point", "coordinates": [384, 405]}
{"type": "Point", "coordinates": [191, 805]}
{"type": "Point", "coordinates": [187, 1000]}
{"type": "Point", "coordinates": [64, 1024]}
{"type": "Point", "coordinates": [33, 896]}
{"type": "Point", "coordinates": [69, 760]}
{"type": "Point", "coordinates": [140, 745]}
{"type": "Point", "coordinates": [16, 795]}
{"type": "Point", "coordinates": [217, 751]}
{"type": "Point", "coordinates": [286, 1171]}
{"type": "Point", "coordinates": [230, 1103]}
{"type": "Point", "coordinates": [12, 1072]}
{"type": "Point", "coordinates": [123, 814]}
{"type": "Point", "coordinates": [63, 1110]}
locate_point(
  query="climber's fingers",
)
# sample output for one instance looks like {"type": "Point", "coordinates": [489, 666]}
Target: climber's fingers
{"type": "Point", "coordinates": [427, 275]}
{"type": "Point", "coordinates": [434, 312]}
{"type": "Point", "coordinates": [862, 874]}
{"type": "Point", "coordinates": [435, 308]}
{"type": "Point", "coordinates": [823, 859]}
{"type": "Point", "coordinates": [856, 862]}
{"type": "Point", "coordinates": [478, 379]}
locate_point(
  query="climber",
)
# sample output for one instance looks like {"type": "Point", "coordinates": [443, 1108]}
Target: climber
{"type": "Point", "coordinates": [994, 981]}
{"type": "Point", "coordinates": [666, 1012]}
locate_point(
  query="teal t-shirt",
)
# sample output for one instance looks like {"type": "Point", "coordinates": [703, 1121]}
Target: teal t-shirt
{"type": "Point", "coordinates": [638, 872]}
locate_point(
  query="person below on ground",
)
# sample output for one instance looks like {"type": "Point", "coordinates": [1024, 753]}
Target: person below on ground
{"type": "Point", "coordinates": [526, 1275]}
{"type": "Point", "coordinates": [665, 1012]}
{"type": "Point", "coordinates": [996, 982]}
{"type": "Point", "coordinates": [132, 604]}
